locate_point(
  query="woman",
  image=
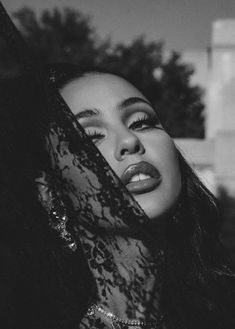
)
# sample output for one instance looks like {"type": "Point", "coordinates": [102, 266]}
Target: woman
{"type": "Point", "coordinates": [125, 128]}
{"type": "Point", "coordinates": [180, 277]}
{"type": "Point", "coordinates": [124, 234]}
{"type": "Point", "coordinates": [163, 270]}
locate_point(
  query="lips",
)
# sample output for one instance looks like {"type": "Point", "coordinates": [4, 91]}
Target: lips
{"type": "Point", "coordinates": [141, 177]}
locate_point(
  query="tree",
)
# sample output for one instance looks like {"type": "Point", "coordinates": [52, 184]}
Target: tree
{"type": "Point", "coordinates": [59, 36]}
{"type": "Point", "coordinates": [166, 83]}
{"type": "Point", "coordinates": [180, 104]}
{"type": "Point", "coordinates": [69, 36]}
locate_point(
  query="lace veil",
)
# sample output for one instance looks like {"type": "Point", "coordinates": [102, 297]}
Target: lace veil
{"type": "Point", "coordinates": [38, 134]}
{"type": "Point", "coordinates": [53, 141]}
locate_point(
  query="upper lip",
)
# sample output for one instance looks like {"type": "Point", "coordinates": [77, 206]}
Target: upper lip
{"type": "Point", "coordinates": [142, 167]}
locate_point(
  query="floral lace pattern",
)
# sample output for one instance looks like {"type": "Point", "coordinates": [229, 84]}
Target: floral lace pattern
{"type": "Point", "coordinates": [106, 221]}
{"type": "Point", "coordinates": [102, 212]}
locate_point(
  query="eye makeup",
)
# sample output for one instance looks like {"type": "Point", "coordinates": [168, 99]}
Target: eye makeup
{"type": "Point", "coordinates": [144, 122]}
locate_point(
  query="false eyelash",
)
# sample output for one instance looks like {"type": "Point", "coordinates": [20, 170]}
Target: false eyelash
{"type": "Point", "coordinates": [95, 133]}
{"type": "Point", "coordinates": [152, 121]}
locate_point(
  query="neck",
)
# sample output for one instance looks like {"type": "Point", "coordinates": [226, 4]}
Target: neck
{"type": "Point", "coordinates": [128, 277]}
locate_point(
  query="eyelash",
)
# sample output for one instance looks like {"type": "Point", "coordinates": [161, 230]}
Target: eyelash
{"type": "Point", "coordinates": [95, 135]}
{"type": "Point", "coordinates": [150, 121]}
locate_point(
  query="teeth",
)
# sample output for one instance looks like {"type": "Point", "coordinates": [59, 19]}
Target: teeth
{"type": "Point", "coordinates": [139, 177]}
{"type": "Point", "coordinates": [143, 176]}
{"type": "Point", "coordinates": [135, 178]}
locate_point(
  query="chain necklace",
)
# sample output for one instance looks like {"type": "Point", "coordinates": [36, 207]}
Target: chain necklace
{"type": "Point", "coordinates": [117, 321]}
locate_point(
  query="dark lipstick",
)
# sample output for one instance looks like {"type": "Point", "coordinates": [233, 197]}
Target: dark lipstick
{"type": "Point", "coordinates": [141, 177]}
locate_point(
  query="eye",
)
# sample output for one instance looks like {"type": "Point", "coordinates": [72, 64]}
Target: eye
{"type": "Point", "coordinates": [145, 122]}
{"type": "Point", "coordinates": [95, 135]}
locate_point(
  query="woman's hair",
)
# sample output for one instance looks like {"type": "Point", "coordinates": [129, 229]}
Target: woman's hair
{"type": "Point", "coordinates": [48, 282]}
{"type": "Point", "coordinates": [199, 282]}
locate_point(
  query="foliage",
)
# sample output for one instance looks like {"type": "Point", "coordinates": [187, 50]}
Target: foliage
{"type": "Point", "coordinates": [68, 35]}
{"type": "Point", "coordinates": [60, 36]}
{"type": "Point", "coordinates": [166, 83]}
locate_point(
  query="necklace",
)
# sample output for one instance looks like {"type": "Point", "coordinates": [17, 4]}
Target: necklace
{"type": "Point", "coordinates": [117, 321]}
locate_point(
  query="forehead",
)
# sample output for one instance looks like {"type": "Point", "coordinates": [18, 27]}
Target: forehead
{"type": "Point", "coordinates": [98, 90]}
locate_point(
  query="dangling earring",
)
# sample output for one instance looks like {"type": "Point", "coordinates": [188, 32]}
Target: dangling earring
{"type": "Point", "coordinates": [57, 214]}
{"type": "Point", "coordinates": [58, 219]}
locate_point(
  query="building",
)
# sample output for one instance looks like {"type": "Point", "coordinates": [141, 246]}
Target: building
{"type": "Point", "coordinates": [214, 157]}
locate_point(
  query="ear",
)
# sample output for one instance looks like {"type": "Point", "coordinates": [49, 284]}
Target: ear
{"type": "Point", "coordinates": [42, 189]}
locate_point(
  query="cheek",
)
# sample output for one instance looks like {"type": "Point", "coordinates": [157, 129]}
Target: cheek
{"type": "Point", "coordinates": [106, 148]}
{"type": "Point", "coordinates": [164, 155]}
{"type": "Point", "coordinates": [170, 158]}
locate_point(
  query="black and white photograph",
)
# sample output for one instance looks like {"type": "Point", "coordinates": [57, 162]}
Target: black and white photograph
{"type": "Point", "coordinates": [117, 164]}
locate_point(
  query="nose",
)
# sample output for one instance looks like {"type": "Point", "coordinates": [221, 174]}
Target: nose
{"type": "Point", "coordinates": [128, 143]}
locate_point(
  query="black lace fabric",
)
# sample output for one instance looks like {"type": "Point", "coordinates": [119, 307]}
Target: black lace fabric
{"type": "Point", "coordinates": [102, 213]}
{"type": "Point", "coordinates": [53, 288]}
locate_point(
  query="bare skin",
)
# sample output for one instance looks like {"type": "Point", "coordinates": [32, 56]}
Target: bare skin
{"type": "Point", "coordinates": [128, 275]}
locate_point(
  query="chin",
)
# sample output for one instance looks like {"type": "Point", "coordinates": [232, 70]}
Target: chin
{"type": "Point", "coordinates": [157, 206]}
{"type": "Point", "coordinates": [155, 212]}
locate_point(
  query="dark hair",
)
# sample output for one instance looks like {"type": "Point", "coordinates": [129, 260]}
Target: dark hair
{"type": "Point", "coordinates": [49, 288]}
{"type": "Point", "coordinates": [199, 281]}
{"type": "Point", "coordinates": [63, 73]}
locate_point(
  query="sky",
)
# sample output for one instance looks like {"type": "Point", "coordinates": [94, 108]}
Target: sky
{"type": "Point", "coordinates": [182, 24]}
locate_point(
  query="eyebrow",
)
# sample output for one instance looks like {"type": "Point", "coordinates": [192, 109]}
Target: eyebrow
{"type": "Point", "coordinates": [131, 101]}
{"type": "Point", "coordinates": [87, 113]}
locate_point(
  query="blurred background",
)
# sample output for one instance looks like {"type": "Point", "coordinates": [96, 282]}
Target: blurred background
{"type": "Point", "coordinates": [181, 55]}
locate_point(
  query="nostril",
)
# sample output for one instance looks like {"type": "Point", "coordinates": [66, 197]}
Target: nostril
{"type": "Point", "coordinates": [123, 151]}
{"type": "Point", "coordinates": [126, 150]}
{"type": "Point", "coordinates": [137, 148]}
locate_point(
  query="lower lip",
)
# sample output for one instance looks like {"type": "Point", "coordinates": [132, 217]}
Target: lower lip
{"type": "Point", "coordinates": [143, 186]}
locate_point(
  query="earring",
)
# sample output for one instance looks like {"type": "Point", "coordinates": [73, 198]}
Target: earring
{"type": "Point", "coordinates": [57, 215]}
{"type": "Point", "coordinates": [57, 220]}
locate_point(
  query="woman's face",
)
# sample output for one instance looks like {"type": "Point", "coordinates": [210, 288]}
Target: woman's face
{"type": "Point", "coordinates": [125, 128]}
